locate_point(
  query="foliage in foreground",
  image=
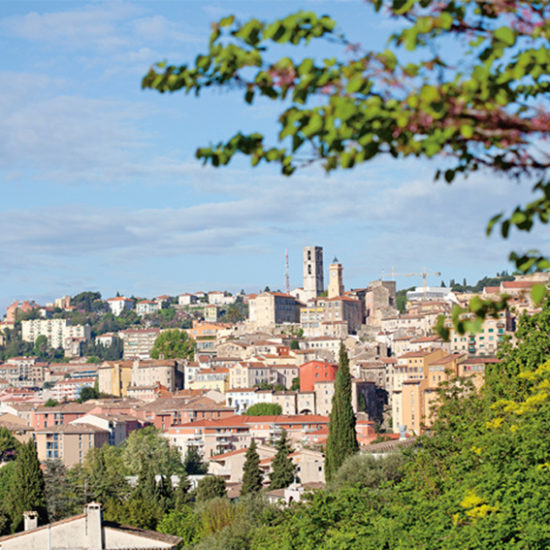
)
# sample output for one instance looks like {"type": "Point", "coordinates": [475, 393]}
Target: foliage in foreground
{"type": "Point", "coordinates": [480, 479]}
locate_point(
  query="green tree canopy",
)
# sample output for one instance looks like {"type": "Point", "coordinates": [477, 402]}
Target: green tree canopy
{"type": "Point", "coordinates": [8, 445]}
{"type": "Point", "coordinates": [87, 393]}
{"type": "Point", "coordinates": [264, 409]}
{"type": "Point", "coordinates": [252, 475]}
{"type": "Point", "coordinates": [146, 447]}
{"type": "Point", "coordinates": [27, 487]}
{"type": "Point", "coordinates": [342, 439]}
{"type": "Point", "coordinates": [282, 467]}
{"type": "Point", "coordinates": [193, 464]}
{"type": "Point", "coordinates": [173, 344]}
{"type": "Point", "coordinates": [210, 487]}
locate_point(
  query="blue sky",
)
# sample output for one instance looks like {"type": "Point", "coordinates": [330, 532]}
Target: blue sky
{"type": "Point", "coordinates": [101, 191]}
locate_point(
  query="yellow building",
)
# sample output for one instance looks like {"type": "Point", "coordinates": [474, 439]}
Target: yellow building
{"type": "Point", "coordinates": [114, 377]}
{"type": "Point", "coordinates": [211, 379]}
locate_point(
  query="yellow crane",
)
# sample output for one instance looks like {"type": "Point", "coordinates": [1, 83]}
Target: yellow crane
{"type": "Point", "coordinates": [424, 274]}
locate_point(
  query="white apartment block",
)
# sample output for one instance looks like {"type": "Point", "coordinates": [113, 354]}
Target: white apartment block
{"type": "Point", "coordinates": [220, 298]}
{"type": "Point", "coordinates": [57, 331]}
{"type": "Point", "coordinates": [138, 343]}
{"type": "Point", "coordinates": [147, 307]}
{"type": "Point", "coordinates": [119, 304]}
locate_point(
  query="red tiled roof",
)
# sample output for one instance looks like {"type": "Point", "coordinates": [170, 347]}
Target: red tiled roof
{"type": "Point", "coordinates": [518, 284]}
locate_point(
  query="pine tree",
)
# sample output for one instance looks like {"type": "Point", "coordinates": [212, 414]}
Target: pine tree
{"type": "Point", "coordinates": [282, 474]}
{"type": "Point", "coordinates": [342, 439]}
{"type": "Point", "coordinates": [252, 476]}
{"type": "Point", "coordinates": [181, 492]}
{"type": "Point", "coordinates": [27, 492]}
{"type": "Point", "coordinates": [193, 463]}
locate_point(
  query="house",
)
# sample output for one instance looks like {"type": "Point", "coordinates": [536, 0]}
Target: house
{"type": "Point", "coordinates": [187, 299]}
{"type": "Point", "coordinates": [87, 531]}
{"type": "Point", "coordinates": [147, 307]}
{"type": "Point", "coordinates": [119, 304]}
{"type": "Point", "coordinates": [230, 465]}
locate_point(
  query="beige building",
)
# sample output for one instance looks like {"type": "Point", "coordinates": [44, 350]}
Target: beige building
{"type": "Point", "coordinates": [379, 301]}
{"type": "Point", "coordinates": [273, 308]}
{"type": "Point", "coordinates": [325, 316]}
{"type": "Point", "coordinates": [156, 371]}
{"type": "Point", "coordinates": [247, 374]}
{"type": "Point", "coordinates": [230, 465]}
{"type": "Point", "coordinates": [411, 367]}
{"type": "Point", "coordinates": [114, 377]}
{"type": "Point", "coordinates": [69, 442]}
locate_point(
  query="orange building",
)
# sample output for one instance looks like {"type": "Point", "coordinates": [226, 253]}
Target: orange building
{"type": "Point", "coordinates": [316, 371]}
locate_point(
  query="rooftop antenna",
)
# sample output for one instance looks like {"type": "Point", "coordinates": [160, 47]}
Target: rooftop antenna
{"type": "Point", "coordinates": [287, 278]}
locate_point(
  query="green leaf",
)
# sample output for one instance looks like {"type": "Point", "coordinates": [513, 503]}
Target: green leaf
{"type": "Point", "coordinates": [226, 21]}
{"type": "Point", "coordinates": [537, 293]}
{"type": "Point", "coordinates": [467, 131]}
{"type": "Point", "coordinates": [355, 84]}
{"type": "Point", "coordinates": [505, 35]}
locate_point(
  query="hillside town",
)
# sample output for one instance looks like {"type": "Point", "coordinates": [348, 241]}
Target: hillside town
{"type": "Point", "coordinates": [271, 348]}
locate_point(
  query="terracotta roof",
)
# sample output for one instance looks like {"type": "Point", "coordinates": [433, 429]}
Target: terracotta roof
{"type": "Point", "coordinates": [518, 284]}
{"type": "Point", "coordinates": [426, 339]}
{"type": "Point", "coordinates": [72, 407]}
{"type": "Point", "coordinates": [414, 354]}
{"type": "Point", "coordinates": [72, 429]}
{"type": "Point", "coordinates": [479, 360]}
{"type": "Point", "coordinates": [228, 454]}
{"type": "Point", "coordinates": [491, 289]}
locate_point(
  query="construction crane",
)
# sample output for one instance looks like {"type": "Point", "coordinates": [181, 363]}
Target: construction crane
{"type": "Point", "coordinates": [424, 276]}
{"type": "Point", "coordinates": [287, 278]}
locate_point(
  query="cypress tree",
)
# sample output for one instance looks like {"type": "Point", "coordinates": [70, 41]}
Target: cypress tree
{"type": "Point", "coordinates": [252, 475]}
{"type": "Point", "coordinates": [27, 490]}
{"type": "Point", "coordinates": [282, 474]}
{"type": "Point", "coordinates": [342, 439]}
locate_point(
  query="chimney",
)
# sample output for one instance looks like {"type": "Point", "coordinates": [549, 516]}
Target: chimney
{"type": "Point", "coordinates": [31, 520]}
{"type": "Point", "coordinates": [94, 530]}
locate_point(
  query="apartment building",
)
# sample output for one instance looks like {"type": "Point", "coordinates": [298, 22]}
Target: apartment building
{"type": "Point", "coordinates": [59, 332]}
{"type": "Point", "coordinates": [46, 417]}
{"type": "Point", "coordinates": [69, 443]}
{"type": "Point", "coordinates": [274, 308]}
{"type": "Point", "coordinates": [211, 379]}
{"type": "Point", "coordinates": [247, 374]}
{"type": "Point", "coordinates": [70, 389]}
{"type": "Point", "coordinates": [411, 367]}
{"type": "Point", "coordinates": [486, 342]}
{"type": "Point", "coordinates": [138, 343]}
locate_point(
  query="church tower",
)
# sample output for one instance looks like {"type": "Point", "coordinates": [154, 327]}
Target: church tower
{"type": "Point", "coordinates": [313, 271]}
{"type": "Point", "coordinates": [336, 282]}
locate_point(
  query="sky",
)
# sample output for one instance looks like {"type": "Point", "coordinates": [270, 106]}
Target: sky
{"type": "Point", "coordinates": [101, 190]}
